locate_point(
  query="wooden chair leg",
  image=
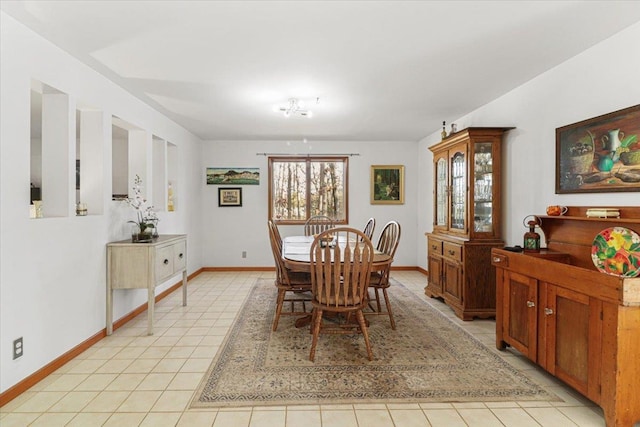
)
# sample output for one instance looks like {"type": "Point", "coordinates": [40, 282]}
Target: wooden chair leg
{"type": "Point", "coordinates": [279, 304]}
{"type": "Point", "coordinates": [378, 300]}
{"type": "Point", "coordinates": [365, 333]}
{"type": "Point", "coordinates": [389, 312]}
{"type": "Point", "coordinates": [317, 317]}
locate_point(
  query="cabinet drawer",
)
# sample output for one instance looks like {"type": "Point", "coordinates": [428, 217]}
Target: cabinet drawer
{"type": "Point", "coordinates": [164, 262]}
{"type": "Point", "coordinates": [452, 251]}
{"type": "Point", "coordinates": [435, 247]}
{"type": "Point", "coordinates": [179, 256]}
{"type": "Point", "coordinates": [499, 260]}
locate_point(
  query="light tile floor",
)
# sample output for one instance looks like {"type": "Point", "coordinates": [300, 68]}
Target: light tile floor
{"type": "Point", "coordinates": [131, 379]}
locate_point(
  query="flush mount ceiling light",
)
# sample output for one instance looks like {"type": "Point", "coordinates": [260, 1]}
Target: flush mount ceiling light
{"type": "Point", "coordinates": [295, 108]}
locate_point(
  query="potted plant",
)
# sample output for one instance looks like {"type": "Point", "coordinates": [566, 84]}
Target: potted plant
{"type": "Point", "coordinates": [146, 224]}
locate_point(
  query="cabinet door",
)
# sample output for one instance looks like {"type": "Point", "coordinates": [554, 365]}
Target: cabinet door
{"type": "Point", "coordinates": [434, 287]}
{"type": "Point", "coordinates": [452, 282]}
{"type": "Point", "coordinates": [459, 186]}
{"type": "Point", "coordinates": [519, 320]}
{"type": "Point", "coordinates": [572, 330]}
{"type": "Point", "coordinates": [441, 195]}
{"type": "Point", "coordinates": [484, 195]}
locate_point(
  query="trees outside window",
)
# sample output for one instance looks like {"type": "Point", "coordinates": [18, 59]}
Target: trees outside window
{"type": "Point", "coordinates": [302, 187]}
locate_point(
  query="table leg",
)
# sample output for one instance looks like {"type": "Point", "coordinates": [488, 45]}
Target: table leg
{"type": "Point", "coordinates": [150, 310]}
{"type": "Point", "coordinates": [109, 310]}
{"type": "Point", "coordinates": [184, 288]}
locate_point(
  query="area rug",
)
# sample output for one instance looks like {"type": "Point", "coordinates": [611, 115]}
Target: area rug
{"type": "Point", "coordinates": [426, 359]}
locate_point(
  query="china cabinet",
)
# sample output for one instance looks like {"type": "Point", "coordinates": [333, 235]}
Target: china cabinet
{"type": "Point", "coordinates": [467, 211]}
{"type": "Point", "coordinates": [579, 324]}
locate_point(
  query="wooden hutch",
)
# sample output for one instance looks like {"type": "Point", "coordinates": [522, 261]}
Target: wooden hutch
{"type": "Point", "coordinates": [467, 221]}
{"type": "Point", "coordinates": [579, 324]}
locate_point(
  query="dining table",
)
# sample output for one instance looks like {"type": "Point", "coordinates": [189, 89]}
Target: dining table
{"type": "Point", "coordinates": [296, 254]}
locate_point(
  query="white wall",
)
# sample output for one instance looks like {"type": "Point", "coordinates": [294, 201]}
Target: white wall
{"type": "Point", "coordinates": [52, 287]}
{"type": "Point", "coordinates": [231, 230]}
{"type": "Point", "coordinates": [600, 80]}
{"type": "Point", "coordinates": [52, 272]}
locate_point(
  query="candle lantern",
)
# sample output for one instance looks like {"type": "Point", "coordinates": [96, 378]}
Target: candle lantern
{"type": "Point", "coordinates": [531, 238]}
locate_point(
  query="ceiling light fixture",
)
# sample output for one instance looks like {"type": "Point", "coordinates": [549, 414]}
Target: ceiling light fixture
{"type": "Point", "coordinates": [294, 108]}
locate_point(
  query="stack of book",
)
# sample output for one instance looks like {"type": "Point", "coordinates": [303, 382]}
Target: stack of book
{"type": "Point", "coordinates": [603, 213]}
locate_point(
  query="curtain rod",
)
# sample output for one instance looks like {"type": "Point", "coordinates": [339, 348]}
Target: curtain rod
{"type": "Point", "coordinates": [308, 155]}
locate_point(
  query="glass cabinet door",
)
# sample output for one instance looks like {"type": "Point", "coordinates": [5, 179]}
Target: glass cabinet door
{"type": "Point", "coordinates": [441, 192]}
{"type": "Point", "coordinates": [458, 191]}
{"type": "Point", "coordinates": [483, 187]}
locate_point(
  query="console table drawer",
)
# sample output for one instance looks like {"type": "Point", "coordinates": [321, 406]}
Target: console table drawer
{"type": "Point", "coordinates": [179, 255]}
{"type": "Point", "coordinates": [164, 262]}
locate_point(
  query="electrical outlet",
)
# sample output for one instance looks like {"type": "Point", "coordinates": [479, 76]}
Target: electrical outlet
{"type": "Point", "coordinates": [244, 254]}
{"type": "Point", "coordinates": [17, 348]}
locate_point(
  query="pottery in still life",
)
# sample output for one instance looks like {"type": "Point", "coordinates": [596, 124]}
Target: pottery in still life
{"type": "Point", "coordinates": [611, 141]}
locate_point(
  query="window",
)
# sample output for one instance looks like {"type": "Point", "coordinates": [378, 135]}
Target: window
{"type": "Point", "coordinates": [301, 187]}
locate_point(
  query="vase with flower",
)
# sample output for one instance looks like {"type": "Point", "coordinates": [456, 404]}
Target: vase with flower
{"type": "Point", "coordinates": [145, 227]}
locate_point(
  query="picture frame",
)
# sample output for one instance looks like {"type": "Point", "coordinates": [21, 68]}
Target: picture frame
{"type": "Point", "coordinates": [229, 196]}
{"type": "Point", "coordinates": [599, 155]}
{"type": "Point", "coordinates": [387, 184]}
{"type": "Point", "coordinates": [233, 176]}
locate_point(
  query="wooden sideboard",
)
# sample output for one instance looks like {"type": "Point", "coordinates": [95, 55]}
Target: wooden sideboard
{"type": "Point", "coordinates": [579, 324]}
{"type": "Point", "coordinates": [145, 266]}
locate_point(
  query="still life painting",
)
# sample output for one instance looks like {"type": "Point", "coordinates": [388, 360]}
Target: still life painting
{"type": "Point", "coordinates": [601, 154]}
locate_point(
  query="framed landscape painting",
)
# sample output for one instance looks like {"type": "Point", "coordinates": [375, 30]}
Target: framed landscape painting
{"type": "Point", "coordinates": [229, 196]}
{"type": "Point", "coordinates": [387, 184]}
{"type": "Point", "coordinates": [233, 176]}
{"type": "Point", "coordinates": [601, 154]}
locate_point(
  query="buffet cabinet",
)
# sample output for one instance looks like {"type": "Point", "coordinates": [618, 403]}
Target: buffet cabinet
{"type": "Point", "coordinates": [145, 266]}
{"type": "Point", "coordinates": [467, 221]}
{"type": "Point", "coordinates": [579, 324]}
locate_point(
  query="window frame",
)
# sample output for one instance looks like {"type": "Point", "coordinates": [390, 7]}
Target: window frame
{"type": "Point", "coordinates": [308, 160]}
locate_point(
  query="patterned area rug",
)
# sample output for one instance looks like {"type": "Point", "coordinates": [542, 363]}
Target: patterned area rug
{"type": "Point", "coordinates": [426, 359]}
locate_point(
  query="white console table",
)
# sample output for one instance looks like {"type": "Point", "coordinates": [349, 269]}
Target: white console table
{"type": "Point", "coordinates": [145, 266]}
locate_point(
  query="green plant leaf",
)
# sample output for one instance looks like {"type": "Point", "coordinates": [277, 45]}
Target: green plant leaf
{"type": "Point", "coordinates": [629, 140]}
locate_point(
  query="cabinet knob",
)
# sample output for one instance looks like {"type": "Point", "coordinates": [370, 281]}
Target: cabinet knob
{"type": "Point", "coordinates": [434, 247]}
{"type": "Point", "coordinates": [451, 251]}
{"type": "Point", "coordinates": [531, 304]}
{"type": "Point", "coordinates": [497, 259]}
{"type": "Point", "coordinates": [548, 311]}
{"type": "Point", "coordinates": [166, 261]}
{"type": "Point", "coordinates": [180, 256]}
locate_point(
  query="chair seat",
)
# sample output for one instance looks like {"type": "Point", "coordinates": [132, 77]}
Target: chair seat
{"type": "Point", "coordinates": [341, 301]}
{"type": "Point", "coordinates": [378, 280]}
{"type": "Point", "coordinates": [299, 278]}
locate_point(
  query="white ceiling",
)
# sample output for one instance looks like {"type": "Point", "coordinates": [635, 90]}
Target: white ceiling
{"type": "Point", "coordinates": [383, 70]}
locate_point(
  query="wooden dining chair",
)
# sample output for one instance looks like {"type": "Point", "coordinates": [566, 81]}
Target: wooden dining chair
{"type": "Point", "coordinates": [387, 244]}
{"type": "Point", "coordinates": [340, 275]}
{"type": "Point", "coordinates": [292, 282]}
{"type": "Point", "coordinates": [317, 224]}
{"type": "Point", "coordinates": [369, 227]}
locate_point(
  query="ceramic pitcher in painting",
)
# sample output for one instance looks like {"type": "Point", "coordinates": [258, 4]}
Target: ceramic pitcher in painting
{"type": "Point", "coordinates": [611, 142]}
